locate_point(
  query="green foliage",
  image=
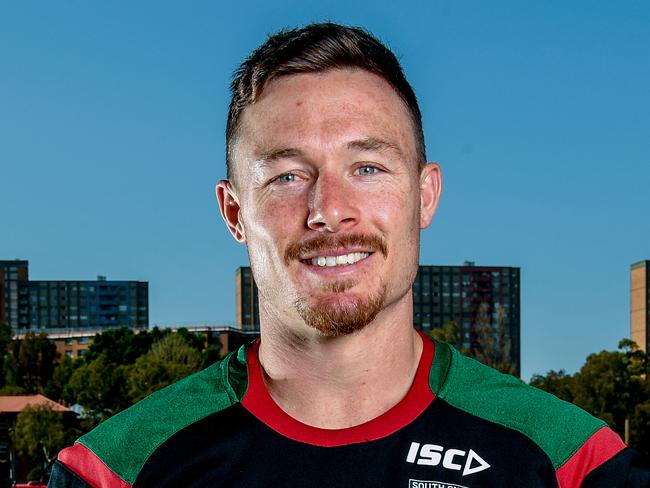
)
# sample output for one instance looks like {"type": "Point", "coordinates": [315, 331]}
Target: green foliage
{"type": "Point", "coordinates": [119, 368]}
{"type": "Point", "coordinates": [12, 390]}
{"type": "Point", "coordinates": [169, 360]}
{"type": "Point", "coordinates": [605, 387]}
{"type": "Point", "coordinates": [491, 346]}
{"type": "Point", "coordinates": [105, 382]}
{"type": "Point", "coordinates": [174, 348]}
{"type": "Point", "coordinates": [197, 342]}
{"type": "Point", "coordinates": [39, 432]}
{"type": "Point", "coordinates": [57, 388]}
{"type": "Point", "coordinates": [612, 385]}
{"type": "Point", "coordinates": [100, 386]}
{"type": "Point", "coordinates": [559, 383]}
{"type": "Point", "coordinates": [30, 362]}
{"type": "Point", "coordinates": [640, 427]}
{"type": "Point", "coordinates": [5, 340]}
{"type": "Point", "coordinates": [36, 474]}
{"type": "Point", "coordinates": [211, 354]}
{"type": "Point", "coordinates": [447, 333]}
{"type": "Point", "coordinates": [6, 335]}
{"type": "Point", "coordinates": [120, 346]}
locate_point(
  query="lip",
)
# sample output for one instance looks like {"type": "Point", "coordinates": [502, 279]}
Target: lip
{"type": "Point", "coordinates": [336, 252]}
{"type": "Point", "coordinates": [337, 271]}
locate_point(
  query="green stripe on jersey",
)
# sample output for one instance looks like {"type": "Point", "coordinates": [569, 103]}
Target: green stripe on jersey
{"type": "Point", "coordinates": [125, 441]}
{"type": "Point", "coordinates": [558, 427]}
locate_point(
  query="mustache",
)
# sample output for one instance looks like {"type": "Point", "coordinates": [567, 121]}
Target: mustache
{"type": "Point", "coordinates": [372, 243]}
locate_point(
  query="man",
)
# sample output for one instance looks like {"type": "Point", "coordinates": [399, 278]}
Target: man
{"type": "Point", "coordinates": [328, 187]}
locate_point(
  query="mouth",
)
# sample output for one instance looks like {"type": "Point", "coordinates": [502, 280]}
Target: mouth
{"type": "Point", "coordinates": [331, 261]}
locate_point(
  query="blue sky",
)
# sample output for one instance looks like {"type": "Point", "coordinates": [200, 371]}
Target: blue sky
{"type": "Point", "coordinates": [111, 139]}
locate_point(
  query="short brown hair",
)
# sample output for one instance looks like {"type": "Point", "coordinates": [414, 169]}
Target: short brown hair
{"type": "Point", "coordinates": [314, 48]}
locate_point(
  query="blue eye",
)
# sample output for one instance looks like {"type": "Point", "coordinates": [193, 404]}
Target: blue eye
{"type": "Point", "coordinates": [367, 170]}
{"type": "Point", "coordinates": [288, 178]}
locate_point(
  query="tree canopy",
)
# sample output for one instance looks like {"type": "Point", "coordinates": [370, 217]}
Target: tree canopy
{"type": "Point", "coordinates": [39, 432]}
{"type": "Point", "coordinates": [611, 385]}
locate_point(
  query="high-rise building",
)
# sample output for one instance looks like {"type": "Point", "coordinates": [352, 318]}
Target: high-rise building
{"type": "Point", "coordinates": [640, 304]}
{"type": "Point", "coordinates": [14, 293]}
{"type": "Point", "coordinates": [42, 306]}
{"type": "Point", "coordinates": [483, 301]}
{"type": "Point", "coordinates": [83, 304]}
{"type": "Point", "coordinates": [248, 314]}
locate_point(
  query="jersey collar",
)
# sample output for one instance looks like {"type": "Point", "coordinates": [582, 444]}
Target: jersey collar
{"type": "Point", "coordinates": [258, 402]}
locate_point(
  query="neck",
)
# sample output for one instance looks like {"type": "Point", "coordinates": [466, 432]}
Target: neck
{"type": "Point", "coordinates": [333, 382]}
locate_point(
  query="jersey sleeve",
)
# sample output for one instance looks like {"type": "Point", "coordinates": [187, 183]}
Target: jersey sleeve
{"type": "Point", "coordinates": [604, 461]}
{"type": "Point", "coordinates": [63, 477]}
{"type": "Point", "coordinates": [79, 467]}
{"type": "Point", "coordinates": [626, 469]}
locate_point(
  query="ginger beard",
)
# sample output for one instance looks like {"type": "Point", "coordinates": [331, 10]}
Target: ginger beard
{"type": "Point", "coordinates": [338, 315]}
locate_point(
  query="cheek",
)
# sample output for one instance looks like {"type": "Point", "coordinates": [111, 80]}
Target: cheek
{"type": "Point", "coordinates": [396, 213]}
{"type": "Point", "coordinates": [273, 223]}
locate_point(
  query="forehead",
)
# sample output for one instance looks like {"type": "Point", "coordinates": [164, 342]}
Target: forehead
{"type": "Point", "coordinates": [325, 110]}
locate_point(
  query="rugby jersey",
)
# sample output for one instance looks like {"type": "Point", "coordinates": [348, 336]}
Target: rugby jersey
{"type": "Point", "coordinates": [460, 425]}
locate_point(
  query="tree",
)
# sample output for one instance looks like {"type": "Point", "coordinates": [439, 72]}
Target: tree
{"type": "Point", "coordinates": [612, 385]}
{"type": "Point", "coordinates": [56, 388]}
{"type": "Point", "coordinates": [169, 360]}
{"type": "Point", "coordinates": [447, 333]}
{"type": "Point", "coordinates": [491, 341]}
{"type": "Point", "coordinates": [211, 354]}
{"type": "Point", "coordinates": [490, 346]}
{"type": "Point", "coordinates": [120, 346]}
{"type": "Point", "coordinates": [174, 348]}
{"type": "Point", "coordinates": [12, 390]}
{"type": "Point", "coordinates": [640, 428]}
{"type": "Point", "coordinates": [5, 339]}
{"type": "Point", "coordinates": [30, 362]}
{"type": "Point", "coordinates": [606, 388]}
{"type": "Point", "coordinates": [39, 432]}
{"type": "Point", "coordinates": [100, 387]}
{"type": "Point", "coordinates": [559, 383]}
{"type": "Point", "coordinates": [6, 335]}
{"type": "Point", "coordinates": [197, 342]}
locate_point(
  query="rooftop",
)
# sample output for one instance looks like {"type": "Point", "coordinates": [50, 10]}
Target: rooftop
{"type": "Point", "coordinates": [17, 403]}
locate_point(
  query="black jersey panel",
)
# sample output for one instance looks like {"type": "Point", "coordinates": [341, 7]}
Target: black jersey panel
{"type": "Point", "coordinates": [62, 477]}
{"type": "Point", "coordinates": [442, 447]}
{"type": "Point", "coordinates": [625, 470]}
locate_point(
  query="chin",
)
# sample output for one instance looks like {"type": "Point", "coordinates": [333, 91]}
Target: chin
{"type": "Point", "coordinates": [339, 316]}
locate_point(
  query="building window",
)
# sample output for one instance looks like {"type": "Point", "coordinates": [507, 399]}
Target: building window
{"type": "Point", "coordinates": [68, 354]}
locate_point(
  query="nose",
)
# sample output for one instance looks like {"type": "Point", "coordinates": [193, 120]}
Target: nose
{"type": "Point", "coordinates": [332, 204]}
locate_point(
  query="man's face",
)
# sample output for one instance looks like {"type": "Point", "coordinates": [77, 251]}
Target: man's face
{"type": "Point", "coordinates": [329, 198]}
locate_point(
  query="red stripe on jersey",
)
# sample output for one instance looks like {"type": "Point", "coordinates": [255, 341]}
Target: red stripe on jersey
{"type": "Point", "coordinates": [85, 464]}
{"type": "Point", "coordinates": [258, 402]}
{"type": "Point", "coordinates": [599, 448]}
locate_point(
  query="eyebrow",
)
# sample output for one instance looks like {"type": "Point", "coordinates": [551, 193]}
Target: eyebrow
{"type": "Point", "coordinates": [374, 144]}
{"type": "Point", "coordinates": [275, 154]}
{"type": "Point", "coordinates": [365, 144]}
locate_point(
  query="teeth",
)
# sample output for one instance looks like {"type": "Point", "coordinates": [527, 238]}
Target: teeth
{"type": "Point", "coordinates": [342, 260]}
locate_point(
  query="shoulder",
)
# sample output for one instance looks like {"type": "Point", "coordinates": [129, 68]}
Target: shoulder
{"type": "Point", "coordinates": [124, 442]}
{"type": "Point", "coordinates": [559, 428]}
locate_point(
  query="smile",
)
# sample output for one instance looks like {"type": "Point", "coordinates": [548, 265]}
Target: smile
{"type": "Point", "coordinates": [342, 260]}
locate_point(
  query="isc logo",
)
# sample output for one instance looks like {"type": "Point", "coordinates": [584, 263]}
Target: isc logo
{"type": "Point", "coordinates": [454, 459]}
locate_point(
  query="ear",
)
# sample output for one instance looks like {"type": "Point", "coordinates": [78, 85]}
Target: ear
{"type": "Point", "coordinates": [430, 188]}
{"type": "Point", "coordinates": [230, 209]}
